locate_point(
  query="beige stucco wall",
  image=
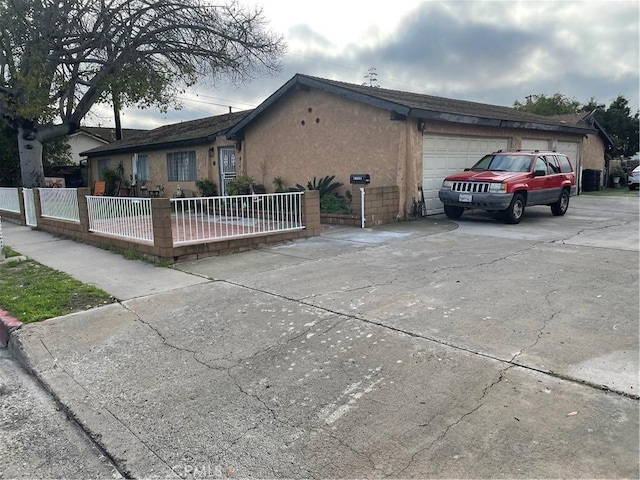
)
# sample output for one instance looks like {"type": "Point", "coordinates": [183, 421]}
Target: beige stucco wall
{"type": "Point", "coordinates": [592, 153]}
{"type": "Point", "coordinates": [309, 134]}
{"type": "Point", "coordinates": [206, 166]}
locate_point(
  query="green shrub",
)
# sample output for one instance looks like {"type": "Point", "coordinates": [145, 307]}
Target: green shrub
{"type": "Point", "coordinates": [206, 188]}
{"type": "Point", "coordinates": [240, 186]}
{"type": "Point", "coordinates": [279, 183]}
{"type": "Point", "coordinates": [332, 203]}
{"type": "Point", "coordinates": [111, 180]}
{"type": "Point", "coordinates": [324, 186]}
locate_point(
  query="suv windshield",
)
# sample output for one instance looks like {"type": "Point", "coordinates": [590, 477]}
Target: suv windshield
{"type": "Point", "coordinates": [504, 163]}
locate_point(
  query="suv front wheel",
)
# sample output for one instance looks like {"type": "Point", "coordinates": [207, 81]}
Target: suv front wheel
{"type": "Point", "coordinates": [514, 213]}
{"type": "Point", "coordinates": [560, 207]}
{"type": "Point", "coordinates": [452, 211]}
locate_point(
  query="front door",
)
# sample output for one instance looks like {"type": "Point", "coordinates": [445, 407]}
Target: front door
{"type": "Point", "coordinates": [227, 161]}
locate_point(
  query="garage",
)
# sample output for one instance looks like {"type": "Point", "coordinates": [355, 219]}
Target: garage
{"type": "Point", "coordinates": [443, 155]}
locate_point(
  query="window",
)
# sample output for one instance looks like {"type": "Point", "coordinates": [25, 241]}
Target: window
{"type": "Point", "coordinates": [181, 166]}
{"type": "Point", "coordinates": [143, 168]}
{"type": "Point", "coordinates": [103, 163]}
{"type": "Point", "coordinates": [540, 166]}
{"type": "Point", "coordinates": [564, 164]}
{"type": "Point", "coordinates": [554, 167]}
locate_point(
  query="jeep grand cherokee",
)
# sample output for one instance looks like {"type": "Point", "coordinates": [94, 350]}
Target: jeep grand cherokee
{"type": "Point", "coordinates": [510, 181]}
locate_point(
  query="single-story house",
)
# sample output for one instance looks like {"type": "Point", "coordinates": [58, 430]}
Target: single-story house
{"type": "Point", "coordinates": [173, 157]}
{"type": "Point", "coordinates": [313, 127]}
{"type": "Point", "coordinates": [87, 138]}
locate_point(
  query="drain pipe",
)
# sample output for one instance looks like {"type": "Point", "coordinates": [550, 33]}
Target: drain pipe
{"type": "Point", "coordinates": [362, 207]}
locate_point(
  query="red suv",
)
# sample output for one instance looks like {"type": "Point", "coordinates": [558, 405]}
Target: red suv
{"type": "Point", "coordinates": [508, 182]}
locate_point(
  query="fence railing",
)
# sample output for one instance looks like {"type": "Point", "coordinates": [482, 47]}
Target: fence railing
{"type": "Point", "coordinates": [9, 200]}
{"type": "Point", "coordinates": [195, 220]}
{"type": "Point", "coordinates": [60, 203]}
{"type": "Point", "coordinates": [124, 217]}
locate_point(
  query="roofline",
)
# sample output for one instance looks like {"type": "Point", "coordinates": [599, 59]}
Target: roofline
{"type": "Point", "coordinates": [151, 146]}
{"type": "Point", "coordinates": [598, 126]}
{"type": "Point", "coordinates": [397, 110]}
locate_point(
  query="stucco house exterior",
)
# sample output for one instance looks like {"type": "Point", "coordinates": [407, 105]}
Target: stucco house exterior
{"type": "Point", "coordinates": [87, 138]}
{"type": "Point", "coordinates": [159, 160]}
{"type": "Point", "coordinates": [313, 127]}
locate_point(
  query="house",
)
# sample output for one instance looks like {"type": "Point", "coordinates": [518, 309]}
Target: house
{"type": "Point", "coordinates": [87, 138]}
{"type": "Point", "coordinates": [595, 146]}
{"type": "Point", "coordinates": [173, 157]}
{"type": "Point", "coordinates": [312, 127]}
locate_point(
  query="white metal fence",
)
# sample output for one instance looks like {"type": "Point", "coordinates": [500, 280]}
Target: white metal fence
{"type": "Point", "coordinates": [30, 216]}
{"type": "Point", "coordinates": [195, 220]}
{"type": "Point", "coordinates": [60, 203]}
{"type": "Point", "coordinates": [124, 217]}
{"type": "Point", "coordinates": [9, 200]}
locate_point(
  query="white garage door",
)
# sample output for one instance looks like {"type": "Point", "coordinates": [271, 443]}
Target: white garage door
{"type": "Point", "coordinates": [535, 144]}
{"type": "Point", "coordinates": [443, 155]}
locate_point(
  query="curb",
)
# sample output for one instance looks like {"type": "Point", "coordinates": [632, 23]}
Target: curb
{"type": "Point", "coordinates": [7, 325]}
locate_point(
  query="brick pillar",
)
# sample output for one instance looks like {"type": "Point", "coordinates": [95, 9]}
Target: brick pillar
{"type": "Point", "coordinates": [36, 203]}
{"type": "Point", "coordinates": [161, 220]}
{"type": "Point", "coordinates": [83, 210]}
{"type": "Point", "coordinates": [23, 212]}
{"type": "Point", "coordinates": [311, 211]}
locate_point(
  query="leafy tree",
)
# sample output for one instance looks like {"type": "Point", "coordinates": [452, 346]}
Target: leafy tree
{"type": "Point", "coordinates": [60, 57]}
{"type": "Point", "coordinates": [541, 104]}
{"type": "Point", "coordinates": [617, 120]}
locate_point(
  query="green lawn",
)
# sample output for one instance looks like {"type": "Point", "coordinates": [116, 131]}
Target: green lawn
{"type": "Point", "coordinates": [614, 192]}
{"type": "Point", "coordinates": [31, 292]}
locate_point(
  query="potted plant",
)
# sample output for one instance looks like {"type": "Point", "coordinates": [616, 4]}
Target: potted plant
{"type": "Point", "coordinates": [616, 174]}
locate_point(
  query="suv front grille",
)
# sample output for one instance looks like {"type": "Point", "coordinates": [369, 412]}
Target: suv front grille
{"type": "Point", "coordinates": [471, 187]}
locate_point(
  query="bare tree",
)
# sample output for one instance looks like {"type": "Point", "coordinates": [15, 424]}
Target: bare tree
{"type": "Point", "coordinates": [60, 57]}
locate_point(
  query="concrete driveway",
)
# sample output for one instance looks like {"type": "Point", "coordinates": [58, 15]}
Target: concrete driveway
{"type": "Point", "coordinates": [468, 349]}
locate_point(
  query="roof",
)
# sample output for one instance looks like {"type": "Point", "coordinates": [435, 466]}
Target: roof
{"type": "Point", "coordinates": [193, 132]}
{"type": "Point", "coordinates": [586, 119]}
{"type": "Point", "coordinates": [107, 135]}
{"type": "Point", "coordinates": [415, 105]}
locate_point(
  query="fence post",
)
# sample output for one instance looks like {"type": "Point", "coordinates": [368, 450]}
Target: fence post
{"type": "Point", "coordinates": [311, 211]}
{"type": "Point", "coordinates": [83, 210]}
{"type": "Point", "coordinates": [23, 208]}
{"type": "Point", "coordinates": [161, 221]}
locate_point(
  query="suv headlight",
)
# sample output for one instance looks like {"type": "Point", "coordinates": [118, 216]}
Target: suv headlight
{"type": "Point", "coordinates": [498, 187]}
{"type": "Point", "coordinates": [447, 184]}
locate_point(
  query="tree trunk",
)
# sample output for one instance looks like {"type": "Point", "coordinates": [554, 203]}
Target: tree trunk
{"type": "Point", "coordinates": [30, 151]}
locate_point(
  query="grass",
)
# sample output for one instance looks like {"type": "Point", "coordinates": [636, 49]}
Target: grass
{"type": "Point", "coordinates": [32, 292]}
{"type": "Point", "coordinates": [614, 192]}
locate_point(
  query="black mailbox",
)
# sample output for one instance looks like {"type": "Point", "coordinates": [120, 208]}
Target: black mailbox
{"type": "Point", "coordinates": [360, 179]}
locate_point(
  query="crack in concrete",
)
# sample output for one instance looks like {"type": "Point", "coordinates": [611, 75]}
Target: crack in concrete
{"type": "Point", "coordinates": [94, 438]}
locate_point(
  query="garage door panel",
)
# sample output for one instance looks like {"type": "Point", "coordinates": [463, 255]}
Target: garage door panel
{"type": "Point", "coordinates": [443, 155]}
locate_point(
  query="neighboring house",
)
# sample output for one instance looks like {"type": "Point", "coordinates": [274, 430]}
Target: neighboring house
{"type": "Point", "coordinates": [172, 156]}
{"type": "Point", "coordinates": [594, 146]}
{"type": "Point", "coordinates": [312, 127]}
{"type": "Point", "coordinates": [87, 138]}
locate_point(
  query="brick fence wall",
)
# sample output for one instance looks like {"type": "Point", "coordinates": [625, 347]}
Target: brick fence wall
{"type": "Point", "coordinates": [162, 248]}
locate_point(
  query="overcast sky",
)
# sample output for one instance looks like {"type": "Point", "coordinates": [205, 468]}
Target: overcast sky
{"type": "Point", "coordinates": [492, 52]}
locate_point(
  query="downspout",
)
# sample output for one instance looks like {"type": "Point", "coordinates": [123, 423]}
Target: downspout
{"type": "Point", "coordinates": [362, 219]}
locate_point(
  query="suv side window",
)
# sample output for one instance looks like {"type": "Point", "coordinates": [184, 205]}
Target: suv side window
{"type": "Point", "coordinates": [554, 166]}
{"type": "Point", "coordinates": [565, 166]}
{"type": "Point", "coordinates": [540, 165]}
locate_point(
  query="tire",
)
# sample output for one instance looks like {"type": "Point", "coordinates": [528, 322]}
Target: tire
{"type": "Point", "coordinates": [560, 207]}
{"type": "Point", "coordinates": [514, 213]}
{"type": "Point", "coordinates": [632, 186]}
{"type": "Point", "coordinates": [453, 212]}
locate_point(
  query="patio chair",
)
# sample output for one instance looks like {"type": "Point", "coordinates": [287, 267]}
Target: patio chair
{"type": "Point", "coordinates": [98, 188]}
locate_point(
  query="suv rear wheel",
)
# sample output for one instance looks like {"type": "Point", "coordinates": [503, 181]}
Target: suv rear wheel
{"type": "Point", "coordinates": [452, 211]}
{"type": "Point", "coordinates": [560, 207]}
{"type": "Point", "coordinates": [514, 213]}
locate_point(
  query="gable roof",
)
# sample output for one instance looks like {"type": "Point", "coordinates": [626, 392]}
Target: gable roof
{"type": "Point", "coordinates": [403, 105]}
{"type": "Point", "coordinates": [586, 119]}
{"type": "Point", "coordinates": [106, 135]}
{"type": "Point", "coordinates": [193, 132]}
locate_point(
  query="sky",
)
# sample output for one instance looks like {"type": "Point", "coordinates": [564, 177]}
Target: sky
{"type": "Point", "coordinates": [493, 52]}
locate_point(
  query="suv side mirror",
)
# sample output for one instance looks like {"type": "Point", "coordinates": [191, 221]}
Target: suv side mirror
{"type": "Point", "coordinates": [539, 173]}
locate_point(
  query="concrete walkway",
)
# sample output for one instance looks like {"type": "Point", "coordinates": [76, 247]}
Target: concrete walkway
{"type": "Point", "coordinates": [413, 350]}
